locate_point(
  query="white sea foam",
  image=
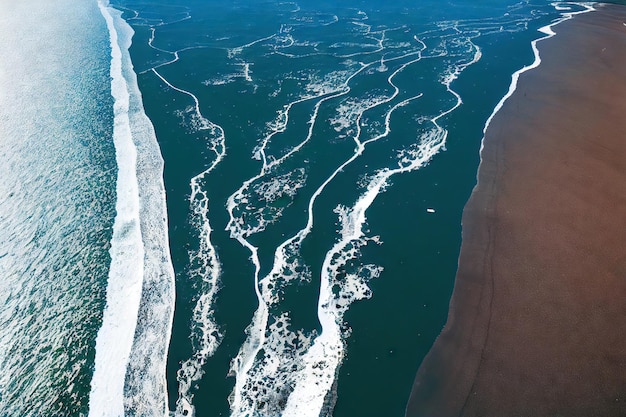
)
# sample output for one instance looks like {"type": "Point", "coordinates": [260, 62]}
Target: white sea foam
{"type": "Point", "coordinates": [145, 390]}
{"type": "Point", "coordinates": [587, 7]}
{"type": "Point", "coordinates": [139, 20]}
{"type": "Point", "coordinates": [246, 71]}
{"type": "Point", "coordinates": [236, 51]}
{"type": "Point", "coordinates": [309, 378]}
{"type": "Point", "coordinates": [115, 337]}
{"type": "Point", "coordinates": [329, 83]}
{"type": "Point", "coordinates": [131, 345]}
{"type": "Point", "coordinates": [242, 365]}
{"type": "Point", "coordinates": [333, 20]}
{"type": "Point", "coordinates": [205, 265]}
{"type": "Point", "coordinates": [263, 202]}
{"type": "Point", "coordinates": [205, 268]}
{"type": "Point", "coordinates": [245, 366]}
{"type": "Point", "coordinates": [250, 371]}
{"type": "Point", "coordinates": [343, 279]}
{"type": "Point", "coordinates": [227, 79]}
{"type": "Point", "coordinates": [280, 370]}
{"type": "Point", "coordinates": [338, 287]}
{"type": "Point", "coordinates": [349, 112]}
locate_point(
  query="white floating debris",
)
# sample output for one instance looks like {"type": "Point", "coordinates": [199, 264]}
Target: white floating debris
{"type": "Point", "coordinates": [430, 210]}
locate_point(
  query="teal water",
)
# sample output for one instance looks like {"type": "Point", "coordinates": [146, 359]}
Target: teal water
{"type": "Point", "coordinates": [87, 286]}
{"type": "Point", "coordinates": [57, 195]}
{"type": "Point", "coordinates": [316, 158]}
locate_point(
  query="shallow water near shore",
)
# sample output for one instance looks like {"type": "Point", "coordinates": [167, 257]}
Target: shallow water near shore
{"type": "Point", "coordinates": [317, 161]}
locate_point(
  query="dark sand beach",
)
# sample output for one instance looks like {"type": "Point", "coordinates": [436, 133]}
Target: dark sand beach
{"type": "Point", "coordinates": [537, 320]}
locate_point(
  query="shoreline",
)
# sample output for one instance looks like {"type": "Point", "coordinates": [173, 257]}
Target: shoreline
{"type": "Point", "coordinates": [534, 322]}
{"type": "Point", "coordinates": [130, 362]}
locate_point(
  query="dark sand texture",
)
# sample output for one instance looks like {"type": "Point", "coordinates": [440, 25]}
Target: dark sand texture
{"type": "Point", "coordinates": [537, 321]}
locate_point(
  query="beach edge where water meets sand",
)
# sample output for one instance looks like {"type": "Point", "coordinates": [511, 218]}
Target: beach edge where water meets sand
{"type": "Point", "coordinates": [537, 319]}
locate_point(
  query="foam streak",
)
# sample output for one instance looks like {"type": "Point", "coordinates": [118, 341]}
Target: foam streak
{"type": "Point", "coordinates": [115, 337]}
{"type": "Point", "coordinates": [244, 362]}
{"type": "Point", "coordinates": [325, 355]}
{"type": "Point", "coordinates": [132, 344]}
{"type": "Point", "coordinates": [205, 267]}
{"type": "Point", "coordinates": [588, 7]}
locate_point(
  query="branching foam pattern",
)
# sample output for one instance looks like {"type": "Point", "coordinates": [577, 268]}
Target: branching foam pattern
{"type": "Point", "coordinates": [347, 87]}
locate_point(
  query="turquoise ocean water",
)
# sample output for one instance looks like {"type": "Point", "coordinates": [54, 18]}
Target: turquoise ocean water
{"type": "Point", "coordinates": [252, 210]}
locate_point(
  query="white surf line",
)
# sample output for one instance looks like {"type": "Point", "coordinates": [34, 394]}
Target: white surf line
{"type": "Point", "coordinates": [151, 45]}
{"type": "Point", "coordinates": [323, 358]}
{"type": "Point", "coordinates": [244, 360]}
{"type": "Point", "coordinates": [379, 44]}
{"type": "Point", "coordinates": [219, 146]}
{"type": "Point", "coordinates": [133, 379]}
{"type": "Point", "coordinates": [297, 9]}
{"type": "Point", "coordinates": [287, 38]}
{"type": "Point", "coordinates": [340, 56]}
{"type": "Point", "coordinates": [368, 35]}
{"type": "Point", "coordinates": [176, 53]}
{"type": "Point", "coordinates": [361, 145]}
{"type": "Point", "coordinates": [146, 20]}
{"type": "Point", "coordinates": [232, 52]}
{"type": "Point", "coordinates": [283, 120]}
{"type": "Point", "coordinates": [379, 41]}
{"type": "Point", "coordinates": [335, 20]}
{"type": "Point", "coordinates": [256, 331]}
{"type": "Point", "coordinates": [182, 19]}
{"type": "Point", "coordinates": [514, 19]}
{"type": "Point", "coordinates": [219, 149]}
{"type": "Point", "coordinates": [367, 27]}
{"type": "Point", "coordinates": [126, 9]}
{"type": "Point", "coordinates": [291, 3]}
{"type": "Point", "coordinates": [115, 338]}
{"type": "Point", "coordinates": [547, 30]}
{"type": "Point", "coordinates": [209, 266]}
{"type": "Point", "coordinates": [280, 127]}
{"type": "Point", "coordinates": [210, 269]}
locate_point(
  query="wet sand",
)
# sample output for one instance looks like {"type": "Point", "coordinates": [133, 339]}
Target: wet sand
{"type": "Point", "coordinates": [537, 320]}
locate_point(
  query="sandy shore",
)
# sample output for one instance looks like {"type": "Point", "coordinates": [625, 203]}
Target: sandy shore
{"type": "Point", "coordinates": [537, 321]}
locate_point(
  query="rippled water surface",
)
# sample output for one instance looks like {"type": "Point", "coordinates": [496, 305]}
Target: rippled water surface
{"type": "Point", "coordinates": [317, 157]}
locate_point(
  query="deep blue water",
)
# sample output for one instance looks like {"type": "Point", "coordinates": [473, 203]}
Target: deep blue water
{"type": "Point", "coordinates": [253, 210]}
